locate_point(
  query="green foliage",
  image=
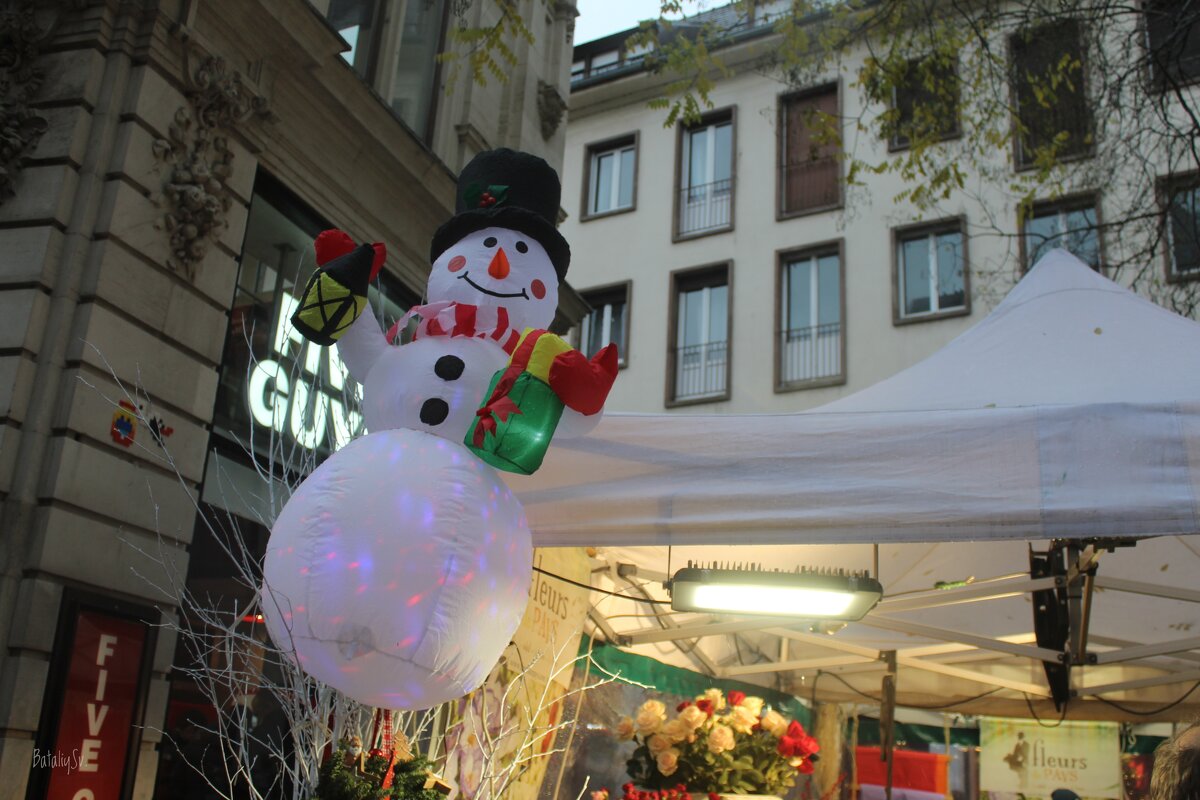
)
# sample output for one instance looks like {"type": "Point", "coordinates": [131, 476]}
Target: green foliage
{"type": "Point", "coordinates": [339, 780]}
{"type": "Point", "coordinates": [488, 50]}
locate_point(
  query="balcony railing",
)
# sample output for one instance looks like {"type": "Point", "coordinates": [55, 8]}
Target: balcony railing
{"type": "Point", "coordinates": [705, 207]}
{"type": "Point", "coordinates": [700, 370]}
{"type": "Point", "coordinates": [807, 185]}
{"type": "Point", "coordinates": [809, 354]}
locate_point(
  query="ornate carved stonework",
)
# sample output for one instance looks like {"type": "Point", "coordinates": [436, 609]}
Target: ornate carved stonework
{"type": "Point", "coordinates": [200, 160]}
{"type": "Point", "coordinates": [20, 78]}
{"type": "Point", "coordinates": [551, 107]}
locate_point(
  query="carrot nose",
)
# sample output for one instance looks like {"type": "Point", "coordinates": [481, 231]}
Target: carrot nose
{"type": "Point", "coordinates": [499, 268]}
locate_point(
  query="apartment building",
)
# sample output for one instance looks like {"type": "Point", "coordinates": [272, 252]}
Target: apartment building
{"type": "Point", "coordinates": [739, 269]}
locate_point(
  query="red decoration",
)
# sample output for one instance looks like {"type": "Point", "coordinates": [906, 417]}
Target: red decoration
{"type": "Point", "coordinates": [334, 243]}
{"type": "Point", "coordinates": [683, 705]}
{"type": "Point", "coordinates": [581, 384]}
{"type": "Point", "coordinates": [123, 429]}
{"type": "Point", "coordinates": [706, 706]}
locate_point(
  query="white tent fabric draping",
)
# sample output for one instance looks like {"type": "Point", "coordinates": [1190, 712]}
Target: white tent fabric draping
{"type": "Point", "coordinates": [1072, 410]}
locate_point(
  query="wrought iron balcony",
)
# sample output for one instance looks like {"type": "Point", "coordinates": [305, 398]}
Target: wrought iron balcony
{"type": "Point", "coordinates": [809, 354]}
{"type": "Point", "coordinates": [700, 370]}
{"type": "Point", "coordinates": [705, 207]}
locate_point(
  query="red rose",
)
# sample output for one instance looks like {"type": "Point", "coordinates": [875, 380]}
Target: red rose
{"type": "Point", "coordinates": [736, 697]}
{"type": "Point", "coordinates": [787, 746]}
{"type": "Point", "coordinates": [714, 796]}
{"type": "Point", "coordinates": [805, 768]}
{"type": "Point", "coordinates": [795, 730]}
{"type": "Point", "coordinates": [706, 706]}
{"type": "Point", "coordinates": [627, 787]}
{"type": "Point", "coordinates": [681, 787]}
{"type": "Point", "coordinates": [807, 745]}
{"type": "Point", "coordinates": [683, 705]}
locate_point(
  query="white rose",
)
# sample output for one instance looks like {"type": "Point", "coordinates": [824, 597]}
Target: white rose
{"type": "Point", "coordinates": [677, 730]}
{"type": "Point", "coordinates": [692, 717]}
{"type": "Point", "coordinates": [742, 719]}
{"type": "Point", "coordinates": [774, 724]}
{"type": "Point", "coordinates": [625, 729]}
{"type": "Point", "coordinates": [720, 739]}
{"type": "Point", "coordinates": [715, 697]}
{"type": "Point", "coordinates": [754, 704]}
{"type": "Point", "coordinates": [668, 761]}
{"type": "Point", "coordinates": [657, 743]}
{"type": "Point", "coordinates": [650, 717]}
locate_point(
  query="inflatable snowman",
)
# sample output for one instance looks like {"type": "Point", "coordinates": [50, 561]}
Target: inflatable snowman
{"type": "Point", "coordinates": [400, 568]}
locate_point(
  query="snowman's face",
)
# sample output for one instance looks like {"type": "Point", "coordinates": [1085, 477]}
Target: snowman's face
{"type": "Point", "coordinates": [499, 267]}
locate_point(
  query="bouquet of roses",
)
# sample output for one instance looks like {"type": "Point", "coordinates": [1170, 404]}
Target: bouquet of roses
{"type": "Point", "coordinates": [717, 744]}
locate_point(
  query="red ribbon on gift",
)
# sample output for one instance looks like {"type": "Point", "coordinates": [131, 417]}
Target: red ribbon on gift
{"type": "Point", "coordinates": [500, 409]}
{"type": "Point", "coordinates": [499, 404]}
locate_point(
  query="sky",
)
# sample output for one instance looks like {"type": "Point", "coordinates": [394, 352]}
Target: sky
{"type": "Point", "coordinates": [599, 18]}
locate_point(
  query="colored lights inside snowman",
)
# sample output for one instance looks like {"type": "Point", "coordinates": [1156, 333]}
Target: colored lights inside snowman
{"type": "Point", "coordinates": [399, 569]}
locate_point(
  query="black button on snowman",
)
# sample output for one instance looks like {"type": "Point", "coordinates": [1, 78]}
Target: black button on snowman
{"type": "Point", "coordinates": [399, 570]}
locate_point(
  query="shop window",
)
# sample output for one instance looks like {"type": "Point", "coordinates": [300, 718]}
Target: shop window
{"type": "Point", "coordinates": [931, 272]}
{"type": "Point", "coordinates": [608, 321]}
{"type": "Point", "coordinates": [809, 173]}
{"type": "Point", "coordinates": [1053, 117]}
{"type": "Point", "coordinates": [1070, 225]}
{"type": "Point", "coordinates": [610, 184]}
{"type": "Point", "coordinates": [273, 383]}
{"type": "Point", "coordinates": [699, 364]}
{"type": "Point", "coordinates": [1173, 42]}
{"type": "Point", "coordinates": [1183, 228]}
{"type": "Point", "coordinates": [704, 202]}
{"type": "Point", "coordinates": [810, 344]}
{"type": "Point", "coordinates": [925, 101]}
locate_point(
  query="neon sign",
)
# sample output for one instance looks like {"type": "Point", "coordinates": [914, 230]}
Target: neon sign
{"type": "Point", "coordinates": [305, 407]}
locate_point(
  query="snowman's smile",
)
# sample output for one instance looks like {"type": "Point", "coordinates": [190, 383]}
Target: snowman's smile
{"type": "Point", "coordinates": [521, 293]}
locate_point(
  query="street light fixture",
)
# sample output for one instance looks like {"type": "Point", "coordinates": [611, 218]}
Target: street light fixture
{"type": "Point", "coordinates": [804, 593]}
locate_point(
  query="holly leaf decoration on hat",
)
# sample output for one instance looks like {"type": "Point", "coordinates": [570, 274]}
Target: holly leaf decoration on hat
{"type": "Point", "coordinates": [479, 196]}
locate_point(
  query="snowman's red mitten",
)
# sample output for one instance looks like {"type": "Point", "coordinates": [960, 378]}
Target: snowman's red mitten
{"type": "Point", "coordinates": [336, 294]}
{"type": "Point", "coordinates": [581, 384]}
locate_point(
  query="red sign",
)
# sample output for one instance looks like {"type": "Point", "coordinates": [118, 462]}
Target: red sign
{"type": "Point", "coordinates": [101, 696]}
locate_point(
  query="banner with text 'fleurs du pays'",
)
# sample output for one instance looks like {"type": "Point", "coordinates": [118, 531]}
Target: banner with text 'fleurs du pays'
{"type": "Point", "coordinates": [1021, 756]}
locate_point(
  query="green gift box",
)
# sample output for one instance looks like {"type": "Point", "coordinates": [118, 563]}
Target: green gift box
{"type": "Point", "coordinates": [514, 427]}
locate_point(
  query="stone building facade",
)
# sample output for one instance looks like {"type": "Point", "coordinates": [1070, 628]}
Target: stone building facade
{"type": "Point", "coordinates": [142, 139]}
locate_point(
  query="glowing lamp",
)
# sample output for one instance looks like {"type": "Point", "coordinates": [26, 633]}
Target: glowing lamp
{"type": "Point", "coordinates": [803, 594]}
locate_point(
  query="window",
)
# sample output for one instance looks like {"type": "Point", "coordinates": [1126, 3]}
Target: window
{"type": "Point", "coordinates": [1183, 229]}
{"type": "Point", "coordinates": [811, 342]}
{"type": "Point", "coordinates": [809, 173]}
{"type": "Point", "coordinates": [931, 272]}
{"type": "Point", "coordinates": [1053, 118]}
{"type": "Point", "coordinates": [1070, 225]}
{"type": "Point", "coordinates": [611, 179]}
{"type": "Point", "coordinates": [1173, 42]}
{"type": "Point", "coordinates": [413, 94]}
{"type": "Point", "coordinates": [926, 103]}
{"type": "Point", "coordinates": [358, 22]}
{"type": "Point", "coordinates": [700, 331]}
{"type": "Point", "coordinates": [607, 322]}
{"type": "Point", "coordinates": [704, 202]}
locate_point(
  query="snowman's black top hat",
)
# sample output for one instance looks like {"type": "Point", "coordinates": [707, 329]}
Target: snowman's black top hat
{"type": "Point", "coordinates": [507, 189]}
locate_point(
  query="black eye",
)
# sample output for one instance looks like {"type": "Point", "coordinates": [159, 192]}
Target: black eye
{"type": "Point", "coordinates": [489, 242]}
{"type": "Point", "coordinates": [522, 247]}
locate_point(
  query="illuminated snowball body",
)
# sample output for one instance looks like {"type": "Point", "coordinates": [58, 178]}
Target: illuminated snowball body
{"type": "Point", "coordinates": [399, 570]}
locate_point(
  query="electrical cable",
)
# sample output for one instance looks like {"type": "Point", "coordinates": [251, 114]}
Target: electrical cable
{"type": "Point", "coordinates": [875, 699]}
{"type": "Point", "coordinates": [1038, 720]}
{"type": "Point", "coordinates": [601, 591]}
{"type": "Point", "coordinates": [1156, 711]}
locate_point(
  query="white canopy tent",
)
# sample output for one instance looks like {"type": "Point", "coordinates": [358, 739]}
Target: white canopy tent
{"type": "Point", "coordinates": [1070, 412]}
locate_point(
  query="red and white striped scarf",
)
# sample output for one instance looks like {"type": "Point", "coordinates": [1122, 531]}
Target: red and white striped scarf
{"type": "Point", "coordinates": [447, 318]}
